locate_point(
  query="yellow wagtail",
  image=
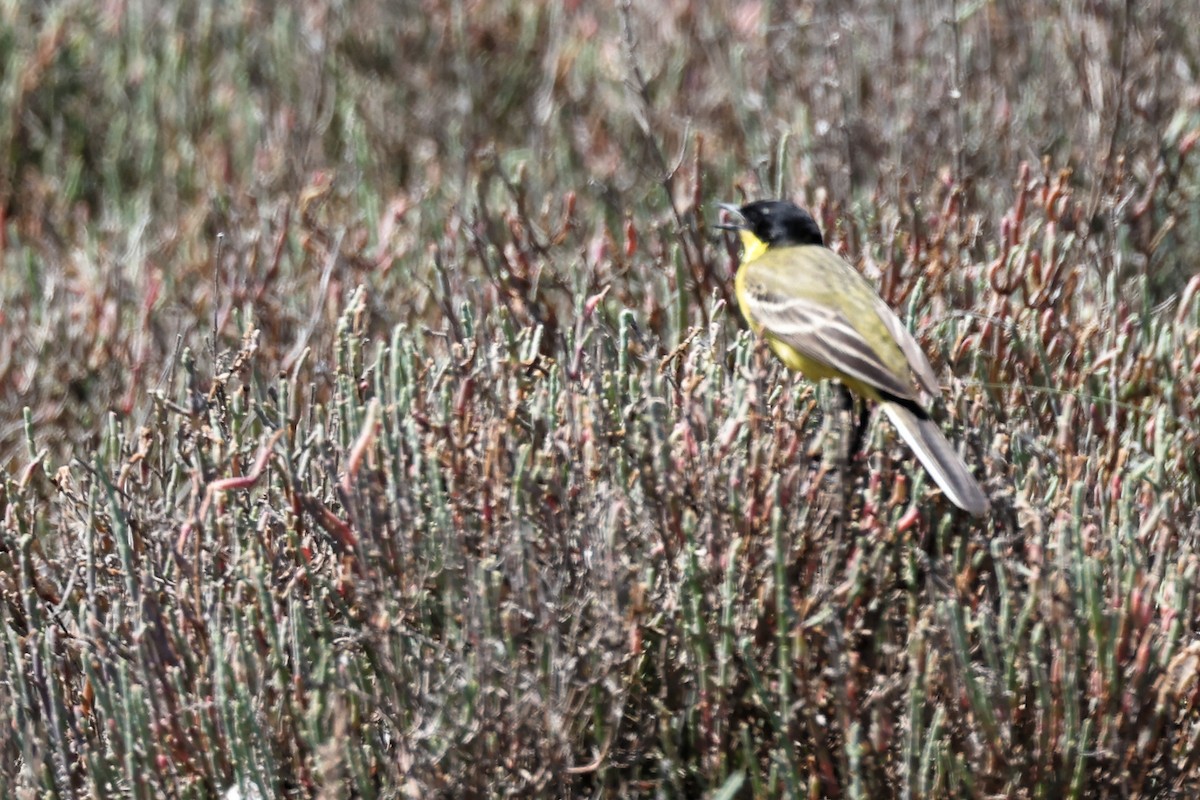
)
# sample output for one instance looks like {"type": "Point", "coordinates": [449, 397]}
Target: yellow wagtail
{"type": "Point", "coordinates": [824, 319]}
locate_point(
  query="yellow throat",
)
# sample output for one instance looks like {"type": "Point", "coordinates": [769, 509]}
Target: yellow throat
{"type": "Point", "coordinates": [752, 246]}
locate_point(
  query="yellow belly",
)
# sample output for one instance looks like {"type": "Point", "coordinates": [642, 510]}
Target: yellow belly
{"type": "Point", "coordinates": [816, 370]}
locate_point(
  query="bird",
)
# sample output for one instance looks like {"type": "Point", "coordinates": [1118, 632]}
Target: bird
{"type": "Point", "coordinates": [824, 319]}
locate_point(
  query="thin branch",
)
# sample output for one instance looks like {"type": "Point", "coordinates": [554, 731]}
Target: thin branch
{"type": "Point", "coordinates": [667, 172]}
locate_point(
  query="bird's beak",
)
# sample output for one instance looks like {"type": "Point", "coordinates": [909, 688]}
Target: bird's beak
{"type": "Point", "coordinates": [735, 220]}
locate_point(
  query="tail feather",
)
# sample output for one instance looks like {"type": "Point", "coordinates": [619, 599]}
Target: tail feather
{"type": "Point", "coordinates": [939, 458]}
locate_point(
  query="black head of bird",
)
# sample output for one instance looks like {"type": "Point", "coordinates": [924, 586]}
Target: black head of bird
{"type": "Point", "coordinates": [775, 223]}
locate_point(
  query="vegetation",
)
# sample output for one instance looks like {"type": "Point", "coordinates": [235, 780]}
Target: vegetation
{"type": "Point", "coordinates": [374, 420]}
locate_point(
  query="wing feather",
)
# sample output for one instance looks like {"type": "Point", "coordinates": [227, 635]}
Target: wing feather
{"type": "Point", "coordinates": [824, 335]}
{"type": "Point", "coordinates": [917, 359]}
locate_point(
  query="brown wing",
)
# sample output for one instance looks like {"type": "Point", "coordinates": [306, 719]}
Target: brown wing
{"type": "Point", "coordinates": [908, 345]}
